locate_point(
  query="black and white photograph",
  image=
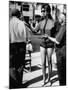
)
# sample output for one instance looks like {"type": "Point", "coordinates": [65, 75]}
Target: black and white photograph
{"type": "Point", "coordinates": [37, 44]}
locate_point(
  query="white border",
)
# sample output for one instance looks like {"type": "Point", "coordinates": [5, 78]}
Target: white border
{"type": "Point", "coordinates": [4, 42]}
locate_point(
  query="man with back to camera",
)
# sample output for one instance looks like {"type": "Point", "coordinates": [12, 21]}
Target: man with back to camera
{"type": "Point", "coordinates": [17, 39]}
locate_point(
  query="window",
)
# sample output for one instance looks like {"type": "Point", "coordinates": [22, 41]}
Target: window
{"type": "Point", "coordinates": [25, 7]}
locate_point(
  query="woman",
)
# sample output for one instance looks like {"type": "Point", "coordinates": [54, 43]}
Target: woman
{"type": "Point", "coordinates": [46, 25]}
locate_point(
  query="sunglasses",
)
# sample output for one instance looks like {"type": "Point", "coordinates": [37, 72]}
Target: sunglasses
{"type": "Point", "coordinates": [43, 11]}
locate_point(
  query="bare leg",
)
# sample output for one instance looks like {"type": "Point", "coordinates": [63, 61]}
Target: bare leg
{"type": "Point", "coordinates": [49, 55]}
{"type": "Point", "coordinates": [43, 59]}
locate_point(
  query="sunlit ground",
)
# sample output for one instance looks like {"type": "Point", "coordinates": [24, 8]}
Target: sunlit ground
{"type": "Point", "coordinates": [34, 77]}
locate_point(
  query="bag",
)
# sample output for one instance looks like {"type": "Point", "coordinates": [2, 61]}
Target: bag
{"type": "Point", "coordinates": [29, 47]}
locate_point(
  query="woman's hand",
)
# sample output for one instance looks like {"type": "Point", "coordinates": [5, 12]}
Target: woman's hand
{"type": "Point", "coordinates": [45, 36]}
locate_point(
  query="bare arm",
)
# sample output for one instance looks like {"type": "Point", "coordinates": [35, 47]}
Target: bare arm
{"type": "Point", "coordinates": [51, 38]}
{"type": "Point", "coordinates": [59, 35]}
{"type": "Point", "coordinates": [36, 29]}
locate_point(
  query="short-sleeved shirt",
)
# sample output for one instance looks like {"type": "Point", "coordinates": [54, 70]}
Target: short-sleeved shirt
{"type": "Point", "coordinates": [61, 36]}
{"type": "Point", "coordinates": [17, 32]}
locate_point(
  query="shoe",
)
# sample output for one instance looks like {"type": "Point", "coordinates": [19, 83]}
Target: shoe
{"type": "Point", "coordinates": [48, 84]}
{"type": "Point", "coordinates": [47, 80]}
{"type": "Point", "coordinates": [43, 83]}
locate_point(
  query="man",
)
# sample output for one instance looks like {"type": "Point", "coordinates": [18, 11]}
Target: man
{"type": "Point", "coordinates": [60, 41]}
{"type": "Point", "coordinates": [17, 39]}
{"type": "Point", "coordinates": [61, 51]}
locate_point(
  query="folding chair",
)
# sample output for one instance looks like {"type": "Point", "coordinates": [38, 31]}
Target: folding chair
{"type": "Point", "coordinates": [28, 55]}
{"type": "Point", "coordinates": [28, 61]}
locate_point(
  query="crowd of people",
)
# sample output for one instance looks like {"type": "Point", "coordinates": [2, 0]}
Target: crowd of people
{"type": "Point", "coordinates": [51, 39]}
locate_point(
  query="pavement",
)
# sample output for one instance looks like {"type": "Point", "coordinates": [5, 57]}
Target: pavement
{"type": "Point", "coordinates": [34, 77]}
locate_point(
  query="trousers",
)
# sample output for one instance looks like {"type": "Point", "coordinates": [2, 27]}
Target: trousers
{"type": "Point", "coordinates": [61, 64]}
{"type": "Point", "coordinates": [17, 60]}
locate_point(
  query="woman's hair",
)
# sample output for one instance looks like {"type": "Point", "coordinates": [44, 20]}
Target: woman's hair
{"type": "Point", "coordinates": [49, 16]}
{"type": "Point", "coordinates": [46, 7]}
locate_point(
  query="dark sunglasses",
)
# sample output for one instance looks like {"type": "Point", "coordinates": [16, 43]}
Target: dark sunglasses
{"type": "Point", "coordinates": [43, 11]}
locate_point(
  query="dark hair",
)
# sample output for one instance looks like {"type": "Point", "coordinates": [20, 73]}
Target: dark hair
{"type": "Point", "coordinates": [46, 7]}
{"type": "Point", "coordinates": [16, 13]}
{"type": "Point", "coordinates": [50, 17]}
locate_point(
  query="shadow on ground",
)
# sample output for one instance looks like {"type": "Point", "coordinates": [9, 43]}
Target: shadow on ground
{"type": "Point", "coordinates": [39, 78]}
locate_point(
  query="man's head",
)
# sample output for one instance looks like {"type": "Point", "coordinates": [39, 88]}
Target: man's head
{"type": "Point", "coordinates": [45, 9]}
{"type": "Point", "coordinates": [61, 18]}
{"type": "Point", "coordinates": [16, 13]}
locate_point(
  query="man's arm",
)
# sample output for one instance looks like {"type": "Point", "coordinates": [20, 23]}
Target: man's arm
{"type": "Point", "coordinates": [60, 34]}
{"type": "Point", "coordinates": [51, 38]}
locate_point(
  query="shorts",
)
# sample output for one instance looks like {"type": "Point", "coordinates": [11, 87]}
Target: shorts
{"type": "Point", "coordinates": [47, 43]}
